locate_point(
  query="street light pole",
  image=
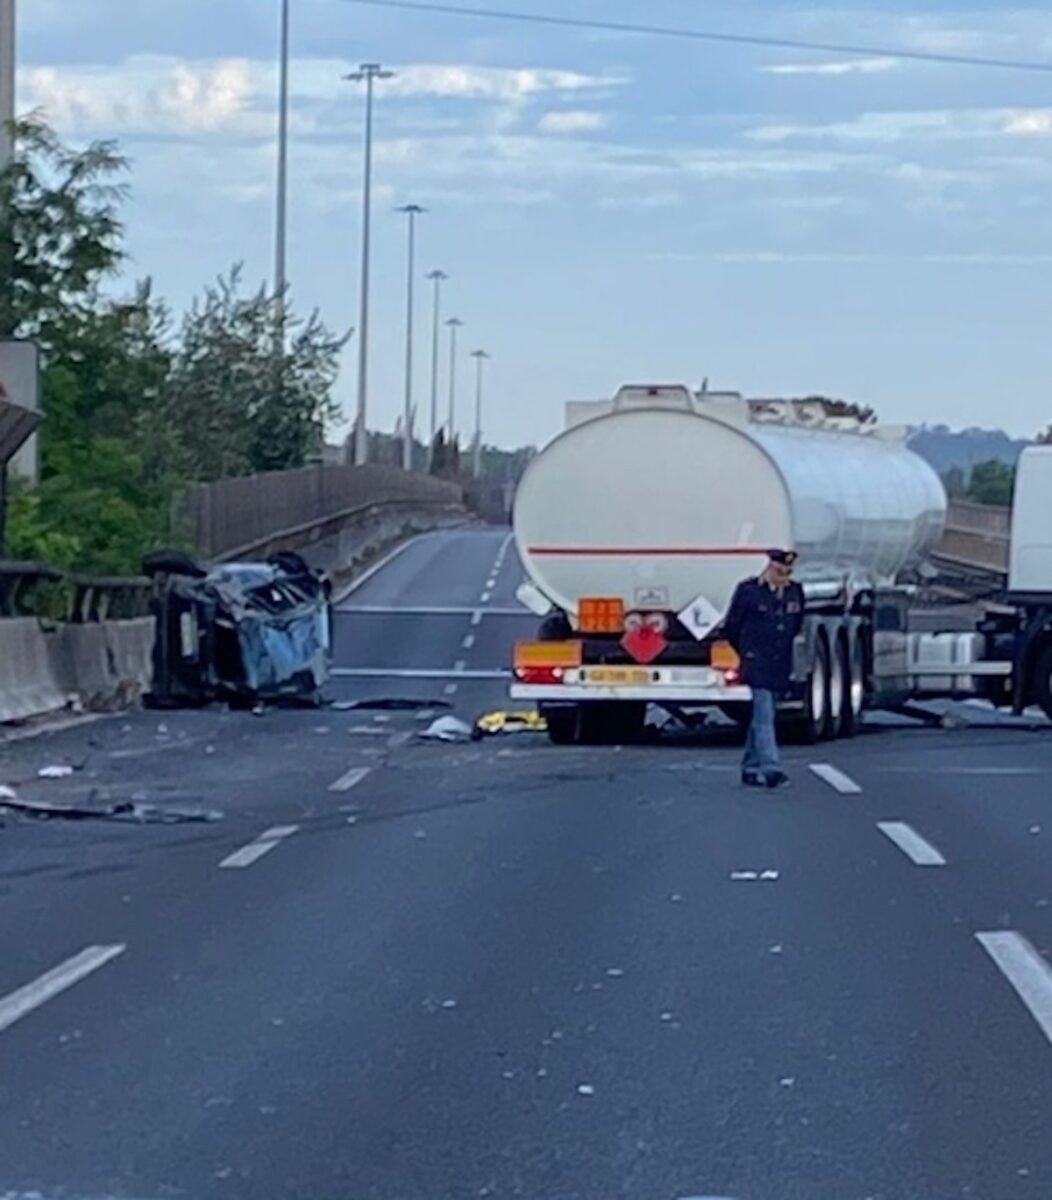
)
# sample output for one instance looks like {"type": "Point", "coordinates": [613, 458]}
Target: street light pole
{"type": "Point", "coordinates": [453, 324]}
{"type": "Point", "coordinates": [480, 357]}
{"type": "Point", "coordinates": [368, 73]}
{"type": "Point", "coordinates": [281, 224]}
{"type": "Point", "coordinates": [412, 211]}
{"type": "Point", "coordinates": [437, 278]}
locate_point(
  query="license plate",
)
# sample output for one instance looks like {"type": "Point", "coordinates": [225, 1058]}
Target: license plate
{"type": "Point", "coordinates": [623, 676]}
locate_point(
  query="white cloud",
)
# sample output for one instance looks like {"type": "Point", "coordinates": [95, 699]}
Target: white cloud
{"type": "Point", "coordinates": [145, 95]}
{"type": "Point", "coordinates": [490, 83]}
{"type": "Point", "coordinates": [928, 125]}
{"type": "Point", "coordinates": [847, 66]}
{"type": "Point", "coordinates": [1029, 122]}
{"type": "Point", "coordinates": [156, 94]}
{"type": "Point", "coordinates": [579, 121]}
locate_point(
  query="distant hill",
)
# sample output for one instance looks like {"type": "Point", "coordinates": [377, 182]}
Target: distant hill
{"type": "Point", "coordinates": [944, 448]}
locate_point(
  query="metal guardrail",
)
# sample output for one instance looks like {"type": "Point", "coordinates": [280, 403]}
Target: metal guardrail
{"type": "Point", "coordinates": [37, 590]}
{"type": "Point", "coordinates": [977, 540]}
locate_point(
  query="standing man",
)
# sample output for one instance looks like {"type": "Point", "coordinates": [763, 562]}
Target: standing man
{"type": "Point", "coordinates": [765, 617]}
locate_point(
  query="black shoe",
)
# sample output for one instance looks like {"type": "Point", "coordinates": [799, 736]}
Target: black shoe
{"type": "Point", "coordinates": [752, 779]}
{"type": "Point", "coordinates": [777, 779]}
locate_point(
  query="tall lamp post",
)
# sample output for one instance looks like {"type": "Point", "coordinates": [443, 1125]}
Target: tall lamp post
{"type": "Point", "coordinates": [281, 218]}
{"type": "Point", "coordinates": [7, 80]}
{"type": "Point", "coordinates": [412, 211]}
{"type": "Point", "coordinates": [480, 357]}
{"type": "Point", "coordinates": [453, 324]}
{"type": "Point", "coordinates": [437, 278]}
{"type": "Point", "coordinates": [368, 74]}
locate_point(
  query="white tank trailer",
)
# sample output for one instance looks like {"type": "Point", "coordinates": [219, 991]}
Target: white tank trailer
{"type": "Point", "coordinates": [653, 507]}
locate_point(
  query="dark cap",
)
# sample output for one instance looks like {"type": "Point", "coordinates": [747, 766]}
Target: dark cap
{"type": "Point", "coordinates": [787, 558]}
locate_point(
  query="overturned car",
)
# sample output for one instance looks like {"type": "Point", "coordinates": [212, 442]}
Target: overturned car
{"type": "Point", "coordinates": [244, 633]}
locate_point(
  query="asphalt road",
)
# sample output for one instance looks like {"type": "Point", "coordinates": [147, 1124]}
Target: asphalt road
{"type": "Point", "coordinates": [513, 970]}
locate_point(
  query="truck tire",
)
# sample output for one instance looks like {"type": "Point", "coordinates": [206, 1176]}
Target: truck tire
{"type": "Point", "coordinates": [813, 725]}
{"type": "Point", "coordinates": [1043, 680]}
{"type": "Point", "coordinates": [855, 694]}
{"type": "Point", "coordinates": [612, 722]}
{"type": "Point", "coordinates": [564, 723]}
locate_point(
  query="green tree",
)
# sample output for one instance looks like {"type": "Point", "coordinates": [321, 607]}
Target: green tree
{"type": "Point", "coordinates": [235, 407]}
{"type": "Point", "coordinates": [956, 483]}
{"type": "Point", "coordinates": [62, 234]}
{"type": "Point", "coordinates": [992, 483]}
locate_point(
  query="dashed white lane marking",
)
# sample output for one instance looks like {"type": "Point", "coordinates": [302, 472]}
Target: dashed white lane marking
{"type": "Point", "coordinates": [254, 851]}
{"type": "Point", "coordinates": [910, 842]}
{"type": "Point", "coordinates": [486, 597]}
{"type": "Point", "coordinates": [22, 1002]}
{"type": "Point", "coordinates": [836, 779]}
{"type": "Point", "coordinates": [460, 666]}
{"type": "Point", "coordinates": [1025, 970]}
{"type": "Point", "coordinates": [427, 610]}
{"type": "Point", "coordinates": [468, 642]}
{"type": "Point", "coordinates": [450, 689]}
{"type": "Point", "coordinates": [476, 618]}
{"type": "Point", "coordinates": [350, 779]}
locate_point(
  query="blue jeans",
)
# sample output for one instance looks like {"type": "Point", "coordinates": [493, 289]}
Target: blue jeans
{"type": "Point", "coordinates": [762, 756]}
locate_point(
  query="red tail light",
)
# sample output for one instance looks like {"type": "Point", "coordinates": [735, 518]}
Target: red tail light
{"type": "Point", "coordinates": [542, 675]}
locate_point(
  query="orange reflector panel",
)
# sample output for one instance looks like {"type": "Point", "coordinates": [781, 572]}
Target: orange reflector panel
{"type": "Point", "coordinates": [601, 614]}
{"type": "Point", "coordinates": [725, 657]}
{"type": "Point", "coordinates": [547, 654]}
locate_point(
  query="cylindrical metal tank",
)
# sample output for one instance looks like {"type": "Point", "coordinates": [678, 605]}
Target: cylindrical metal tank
{"type": "Point", "coordinates": [662, 506]}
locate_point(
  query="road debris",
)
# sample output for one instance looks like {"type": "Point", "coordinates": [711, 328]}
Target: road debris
{"type": "Point", "coordinates": [755, 876]}
{"type": "Point", "coordinates": [495, 723]}
{"type": "Point", "coordinates": [55, 772]}
{"type": "Point", "coordinates": [389, 704]}
{"type": "Point", "coordinates": [447, 729]}
{"type": "Point", "coordinates": [585, 1089]}
{"type": "Point", "coordinates": [91, 809]}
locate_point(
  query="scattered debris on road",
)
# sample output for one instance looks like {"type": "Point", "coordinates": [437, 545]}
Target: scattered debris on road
{"type": "Point", "coordinates": [447, 729]}
{"type": "Point", "coordinates": [55, 772]}
{"type": "Point", "coordinates": [388, 704]}
{"type": "Point", "coordinates": [755, 876]}
{"type": "Point", "coordinates": [585, 1089]}
{"type": "Point", "coordinates": [92, 809]}
{"type": "Point", "coordinates": [495, 723]}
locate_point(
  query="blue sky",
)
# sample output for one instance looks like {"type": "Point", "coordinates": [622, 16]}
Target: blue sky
{"type": "Point", "coordinates": [610, 208]}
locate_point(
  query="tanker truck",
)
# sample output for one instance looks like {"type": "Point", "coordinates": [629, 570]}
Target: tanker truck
{"type": "Point", "coordinates": [635, 526]}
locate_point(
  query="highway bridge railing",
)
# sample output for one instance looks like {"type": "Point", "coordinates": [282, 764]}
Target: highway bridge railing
{"type": "Point", "coordinates": [976, 541]}
{"type": "Point", "coordinates": [235, 517]}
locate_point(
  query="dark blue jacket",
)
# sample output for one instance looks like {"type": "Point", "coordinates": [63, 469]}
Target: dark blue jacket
{"type": "Point", "coordinates": [761, 625]}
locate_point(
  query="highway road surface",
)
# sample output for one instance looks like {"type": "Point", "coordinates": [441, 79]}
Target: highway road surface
{"type": "Point", "coordinates": [396, 970]}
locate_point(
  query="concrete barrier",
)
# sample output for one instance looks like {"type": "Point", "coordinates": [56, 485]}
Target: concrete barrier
{"type": "Point", "coordinates": [100, 666]}
{"type": "Point", "coordinates": [28, 682]}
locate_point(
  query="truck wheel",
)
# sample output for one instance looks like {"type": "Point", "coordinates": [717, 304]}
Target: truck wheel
{"type": "Point", "coordinates": [813, 725]}
{"type": "Point", "coordinates": [612, 722]}
{"type": "Point", "coordinates": [839, 689]}
{"type": "Point", "coordinates": [564, 723]}
{"type": "Point", "coordinates": [1043, 680]}
{"type": "Point", "coordinates": [855, 679]}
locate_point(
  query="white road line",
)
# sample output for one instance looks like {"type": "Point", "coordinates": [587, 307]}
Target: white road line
{"type": "Point", "coordinates": [350, 780]}
{"type": "Point", "coordinates": [412, 673]}
{"type": "Point", "coordinates": [476, 618]}
{"type": "Point", "coordinates": [1025, 970]}
{"type": "Point", "coordinates": [486, 597]}
{"type": "Point", "coordinates": [22, 1002]}
{"type": "Point", "coordinates": [910, 842]}
{"type": "Point", "coordinates": [468, 642]}
{"type": "Point", "coordinates": [460, 666]}
{"type": "Point", "coordinates": [450, 689]}
{"type": "Point", "coordinates": [266, 842]}
{"type": "Point", "coordinates": [836, 779]}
